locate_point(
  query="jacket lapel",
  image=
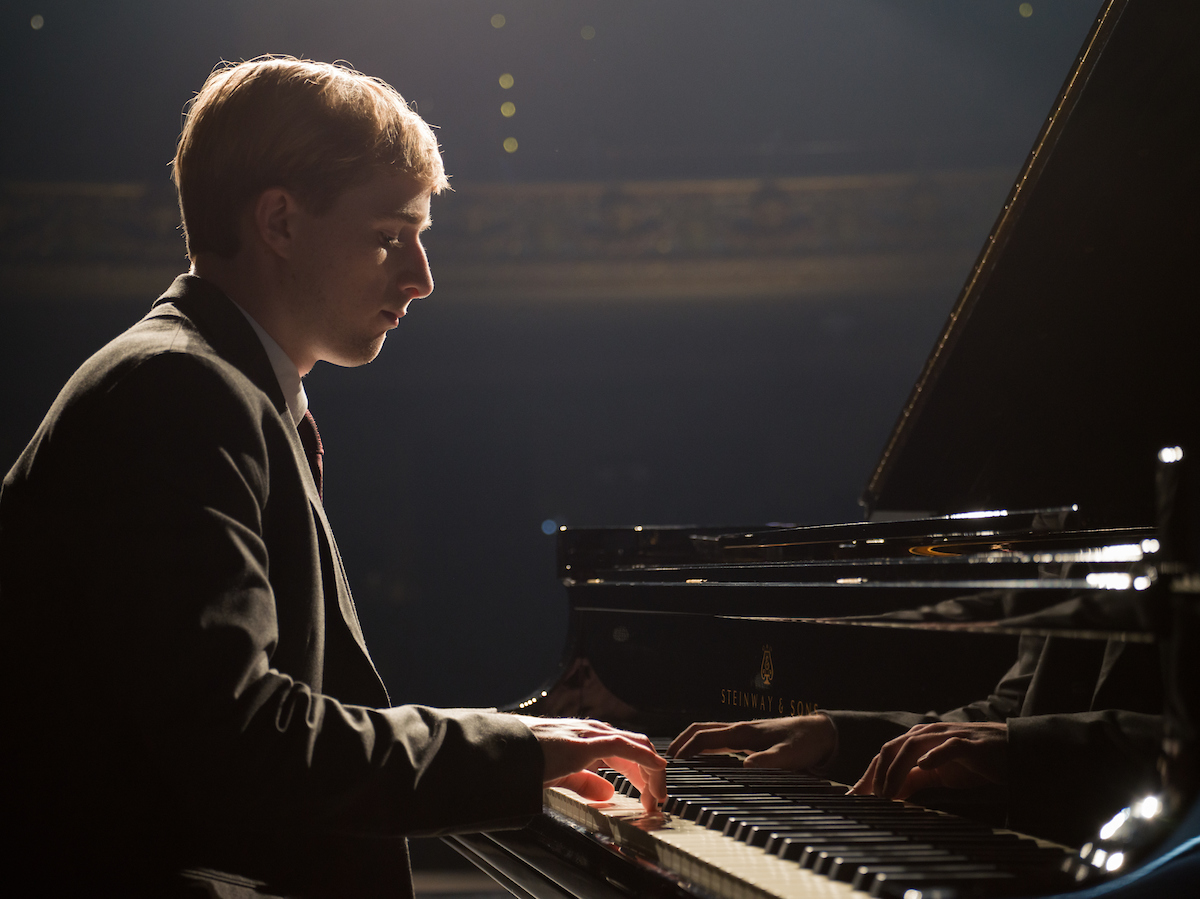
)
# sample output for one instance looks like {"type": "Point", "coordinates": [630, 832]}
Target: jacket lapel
{"type": "Point", "coordinates": [226, 330]}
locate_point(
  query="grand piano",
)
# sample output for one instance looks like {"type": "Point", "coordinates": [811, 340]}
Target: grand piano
{"type": "Point", "coordinates": [1036, 458]}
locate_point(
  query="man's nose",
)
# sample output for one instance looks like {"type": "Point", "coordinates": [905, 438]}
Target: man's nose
{"type": "Point", "coordinates": [417, 279]}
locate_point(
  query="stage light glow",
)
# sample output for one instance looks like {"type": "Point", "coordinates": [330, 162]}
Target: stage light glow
{"type": "Point", "coordinates": [506, 81]}
{"type": "Point", "coordinates": [510, 145]}
{"type": "Point", "coordinates": [36, 23]}
{"type": "Point", "coordinates": [498, 21]}
{"type": "Point", "coordinates": [549, 526]}
{"type": "Point", "coordinates": [508, 110]}
{"type": "Point", "coordinates": [1118, 820]}
{"type": "Point", "coordinates": [987, 513]}
{"type": "Point", "coordinates": [1026, 10]}
{"type": "Point", "coordinates": [587, 32]}
{"type": "Point", "coordinates": [1170, 454]}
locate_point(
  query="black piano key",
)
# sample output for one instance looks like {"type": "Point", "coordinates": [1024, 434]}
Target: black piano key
{"type": "Point", "coordinates": [918, 830]}
{"type": "Point", "coordinates": [968, 885]}
{"type": "Point", "coordinates": [761, 804]}
{"type": "Point", "coordinates": [762, 835]}
{"type": "Point", "coordinates": [713, 795]}
{"type": "Point", "coordinates": [692, 809]}
{"type": "Point", "coordinates": [843, 865]}
{"type": "Point", "coordinates": [672, 804]}
{"type": "Point", "coordinates": [940, 833]}
{"type": "Point", "coordinates": [817, 852]}
{"type": "Point", "coordinates": [818, 855]}
{"type": "Point", "coordinates": [758, 830]}
{"type": "Point", "coordinates": [705, 762]}
{"type": "Point", "coordinates": [767, 837]}
{"type": "Point", "coordinates": [839, 864]}
{"type": "Point", "coordinates": [719, 818]}
{"type": "Point", "coordinates": [974, 884]}
{"type": "Point", "coordinates": [777, 840]}
{"type": "Point", "coordinates": [739, 827]}
{"type": "Point", "coordinates": [808, 852]}
{"type": "Point", "coordinates": [791, 847]}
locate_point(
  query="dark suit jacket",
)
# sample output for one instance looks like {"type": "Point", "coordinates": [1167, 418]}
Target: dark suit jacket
{"type": "Point", "coordinates": [1084, 731]}
{"type": "Point", "coordinates": [186, 674]}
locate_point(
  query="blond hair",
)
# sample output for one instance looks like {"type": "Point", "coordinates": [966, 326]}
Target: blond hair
{"type": "Point", "coordinates": [313, 128]}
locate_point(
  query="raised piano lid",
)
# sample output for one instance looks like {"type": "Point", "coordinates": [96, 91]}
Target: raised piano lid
{"type": "Point", "coordinates": [1070, 356]}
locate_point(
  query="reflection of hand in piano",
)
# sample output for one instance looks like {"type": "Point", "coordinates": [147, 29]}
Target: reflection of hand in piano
{"type": "Point", "coordinates": [942, 754]}
{"type": "Point", "coordinates": [572, 745]}
{"type": "Point", "coordinates": [797, 743]}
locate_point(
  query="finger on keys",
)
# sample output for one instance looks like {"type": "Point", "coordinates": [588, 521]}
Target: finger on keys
{"type": "Point", "coordinates": [591, 787]}
{"type": "Point", "coordinates": [865, 785]}
{"type": "Point", "coordinates": [883, 766]}
{"type": "Point", "coordinates": [650, 781]}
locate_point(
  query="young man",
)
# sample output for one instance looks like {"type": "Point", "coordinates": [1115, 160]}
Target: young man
{"type": "Point", "coordinates": [192, 708]}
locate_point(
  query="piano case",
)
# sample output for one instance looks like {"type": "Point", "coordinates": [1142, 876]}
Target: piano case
{"type": "Point", "coordinates": [1023, 464]}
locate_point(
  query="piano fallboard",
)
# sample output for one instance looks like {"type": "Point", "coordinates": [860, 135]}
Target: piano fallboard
{"type": "Point", "coordinates": [675, 624]}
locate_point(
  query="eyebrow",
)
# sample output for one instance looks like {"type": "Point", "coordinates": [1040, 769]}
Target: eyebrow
{"type": "Point", "coordinates": [421, 221]}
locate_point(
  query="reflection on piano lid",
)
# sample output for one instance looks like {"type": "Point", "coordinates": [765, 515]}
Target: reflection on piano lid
{"type": "Point", "coordinates": [675, 624]}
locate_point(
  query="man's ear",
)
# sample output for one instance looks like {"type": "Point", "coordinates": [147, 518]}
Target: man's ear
{"type": "Point", "coordinates": [274, 220]}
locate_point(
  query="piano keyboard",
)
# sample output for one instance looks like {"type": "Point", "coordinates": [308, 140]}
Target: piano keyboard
{"type": "Point", "coordinates": [740, 833]}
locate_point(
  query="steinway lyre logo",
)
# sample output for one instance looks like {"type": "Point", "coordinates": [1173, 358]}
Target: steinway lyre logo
{"type": "Point", "coordinates": [766, 671]}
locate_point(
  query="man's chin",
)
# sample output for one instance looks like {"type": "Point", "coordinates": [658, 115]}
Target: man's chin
{"type": "Point", "coordinates": [353, 357]}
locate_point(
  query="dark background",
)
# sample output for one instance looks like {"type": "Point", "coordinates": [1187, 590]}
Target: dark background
{"type": "Point", "coordinates": [486, 417]}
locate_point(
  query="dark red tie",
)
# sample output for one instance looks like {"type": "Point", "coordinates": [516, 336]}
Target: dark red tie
{"type": "Point", "coordinates": [311, 438]}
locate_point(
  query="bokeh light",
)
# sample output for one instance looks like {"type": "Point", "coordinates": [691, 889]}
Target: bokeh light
{"type": "Point", "coordinates": [508, 110]}
{"type": "Point", "coordinates": [506, 81]}
{"type": "Point", "coordinates": [498, 21]}
{"type": "Point", "coordinates": [587, 32]}
{"type": "Point", "coordinates": [1026, 10]}
{"type": "Point", "coordinates": [36, 23]}
{"type": "Point", "coordinates": [510, 145]}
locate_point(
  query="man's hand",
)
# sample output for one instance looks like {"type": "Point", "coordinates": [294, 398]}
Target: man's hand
{"type": "Point", "coordinates": [798, 743]}
{"type": "Point", "coordinates": [572, 745]}
{"type": "Point", "coordinates": [944, 754]}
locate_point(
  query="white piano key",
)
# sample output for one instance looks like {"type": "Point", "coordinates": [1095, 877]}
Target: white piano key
{"type": "Point", "coordinates": [723, 866]}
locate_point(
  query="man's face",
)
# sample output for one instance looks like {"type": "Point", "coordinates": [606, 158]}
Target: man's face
{"type": "Point", "coordinates": [357, 267]}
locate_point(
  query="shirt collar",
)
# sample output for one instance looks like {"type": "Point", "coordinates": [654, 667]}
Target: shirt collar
{"type": "Point", "coordinates": [285, 371]}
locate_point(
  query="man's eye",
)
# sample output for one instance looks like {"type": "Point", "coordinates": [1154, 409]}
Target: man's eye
{"type": "Point", "coordinates": [388, 241]}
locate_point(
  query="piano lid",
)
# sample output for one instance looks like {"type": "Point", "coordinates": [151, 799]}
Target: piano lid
{"type": "Point", "coordinates": [1070, 356]}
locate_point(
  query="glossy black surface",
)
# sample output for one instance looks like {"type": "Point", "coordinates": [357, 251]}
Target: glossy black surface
{"type": "Point", "coordinates": [672, 625]}
{"type": "Point", "coordinates": [1069, 358]}
{"type": "Point", "coordinates": [1066, 364]}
